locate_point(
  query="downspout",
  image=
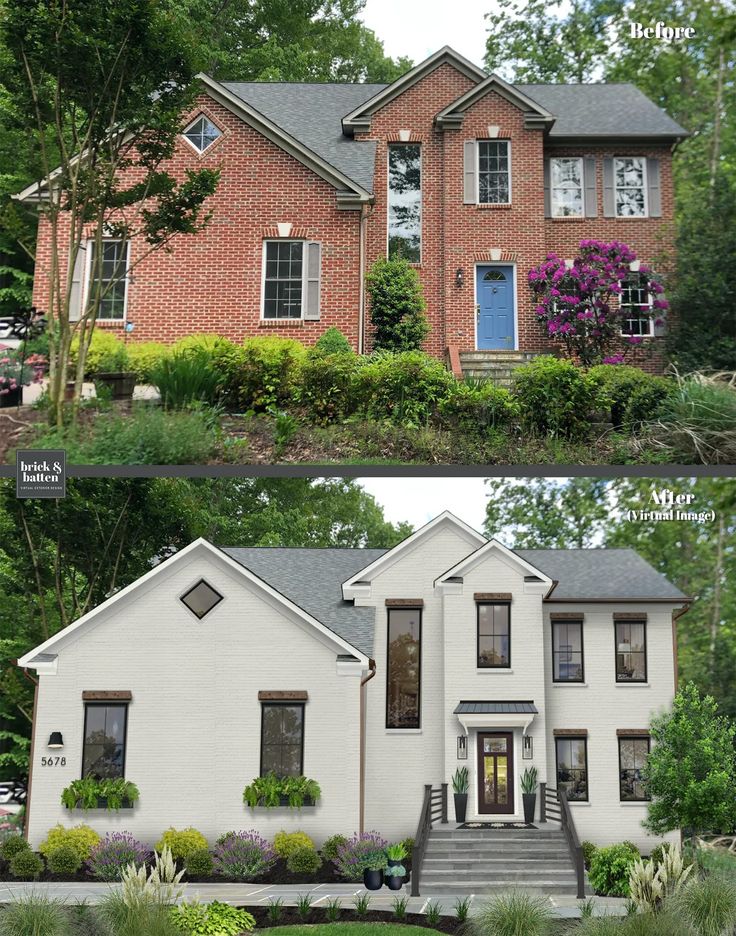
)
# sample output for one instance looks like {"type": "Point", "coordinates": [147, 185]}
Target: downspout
{"type": "Point", "coordinates": [26, 824]}
{"type": "Point", "coordinates": [361, 287]}
{"type": "Point", "coordinates": [676, 615]}
{"type": "Point", "coordinates": [363, 681]}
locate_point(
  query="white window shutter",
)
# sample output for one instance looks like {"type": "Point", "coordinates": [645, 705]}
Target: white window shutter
{"type": "Point", "coordinates": [609, 198]}
{"type": "Point", "coordinates": [591, 194]}
{"type": "Point", "coordinates": [654, 188]}
{"type": "Point", "coordinates": [313, 281]}
{"type": "Point", "coordinates": [470, 173]}
{"type": "Point", "coordinates": [77, 287]}
{"type": "Point", "coordinates": [547, 190]}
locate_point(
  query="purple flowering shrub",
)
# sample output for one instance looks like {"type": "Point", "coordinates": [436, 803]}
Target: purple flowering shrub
{"type": "Point", "coordinates": [243, 856]}
{"type": "Point", "coordinates": [355, 854]}
{"type": "Point", "coordinates": [114, 853]}
{"type": "Point", "coordinates": [579, 306]}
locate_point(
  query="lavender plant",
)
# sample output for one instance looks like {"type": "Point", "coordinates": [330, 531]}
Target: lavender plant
{"type": "Point", "coordinates": [114, 853]}
{"type": "Point", "coordinates": [242, 856]}
{"type": "Point", "coordinates": [359, 852]}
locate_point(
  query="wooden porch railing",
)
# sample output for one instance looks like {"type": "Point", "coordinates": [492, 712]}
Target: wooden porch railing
{"type": "Point", "coordinates": [434, 807]}
{"type": "Point", "coordinates": [554, 806]}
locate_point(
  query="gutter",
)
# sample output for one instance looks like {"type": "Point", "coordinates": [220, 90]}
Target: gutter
{"type": "Point", "coordinates": [363, 681]}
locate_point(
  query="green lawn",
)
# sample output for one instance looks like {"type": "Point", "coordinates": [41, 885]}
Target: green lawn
{"type": "Point", "coordinates": [350, 929]}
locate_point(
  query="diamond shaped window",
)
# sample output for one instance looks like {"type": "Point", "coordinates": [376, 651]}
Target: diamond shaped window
{"type": "Point", "coordinates": [201, 599]}
{"type": "Point", "coordinates": [202, 133]}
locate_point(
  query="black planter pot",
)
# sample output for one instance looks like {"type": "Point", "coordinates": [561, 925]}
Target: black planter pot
{"type": "Point", "coordinates": [373, 880]}
{"type": "Point", "coordinates": [394, 882]}
{"type": "Point", "coordinates": [530, 804]}
{"type": "Point", "coordinates": [395, 862]}
{"type": "Point", "coordinates": [461, 806]}
{"type": "Point", "coordinates": [121, 385]}
{"type": "Point", "coordinates": [11, 398]}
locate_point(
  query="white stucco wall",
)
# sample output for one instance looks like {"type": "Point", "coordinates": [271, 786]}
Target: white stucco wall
{"type": "Point", "coordinates": [194, 724]}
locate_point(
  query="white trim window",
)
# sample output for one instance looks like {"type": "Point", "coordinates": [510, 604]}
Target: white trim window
{"type": "Point", "coordinates": [637, 318]}
{"type": "Point", "coordinates": [494, 172]}
{"type": "Point", "coordinates": [283, 279]}
{"type": "Point", "coordinates": [108, 277]}
{"type": "Point", "coordinates": [566, 184]}
{"type": "Point", "coordinates": [201, 133]}
{"type": "Point", "coordinates": [630, 186]}
{"type": "Point", "coordinates": [405, 201]}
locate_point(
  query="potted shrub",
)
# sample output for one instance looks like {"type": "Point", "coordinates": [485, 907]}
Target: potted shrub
{"type": "Point", "coordinates": [373, 870]}
{"type": "Point", "coordinates": [16, 371]}
{"type": "Point", "coordinates": [396, 855]}
{"type": "Point", "coordinates": [460, 793]}
{"type": "Point", "coordinates": [113, 371]}
{"type": "Point", "coordinates": [394, 876]}
{"type": "Point", "coordinates": [529, 793]}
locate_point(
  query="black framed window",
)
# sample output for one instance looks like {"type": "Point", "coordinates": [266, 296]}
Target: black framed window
{"type": "Point", "coordinates": [572, 767]}
{"type": "Point", "coordinates": [105, 735]}
{"type": "Point", "coordinates": [405, 201]}
{"type": "Point", "coordinates": [201, 599]}
{"type": "Point", "coordinates": [567, 651]}
{"type": "Point", "coordinates": [494, 635]}
{"type": "Point", "coordinates": [632, 756]}
{"type": "Point", "coordinates": [282, 738]}
{"type": "Point", "coordinates": [631, 651]}
{"type": "Point", "coordinates": [494, 173]}
{"type": "Point", "coordinates": [404, 668]}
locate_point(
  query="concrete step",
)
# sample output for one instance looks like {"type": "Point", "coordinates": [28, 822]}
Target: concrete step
{"type": "Point", "coordinates": [494, 864]}
{"type": "Point", "coordinates": [490, 836]}
{"type": "Point", "coordinates": [496, 356]}
{"type": "Point", "coordinates": [540, 886]}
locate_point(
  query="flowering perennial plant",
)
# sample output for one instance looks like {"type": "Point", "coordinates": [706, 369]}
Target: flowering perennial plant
{"type": "Point", "coordinates": [114, 853]}
{"type": "Point", "coordinates": [15, 372]}
{"type": "Point", "coordinates": [243, 856]}
{"type": "Point", "coordinates": [358, 853]}
{"type": "Point", "coordinates": [580, 305]}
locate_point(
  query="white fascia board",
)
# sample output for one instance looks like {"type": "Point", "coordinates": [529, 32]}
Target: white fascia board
{"type": "Point", "coordinates": [275, 598]}
{"type": "Point", "coordinates": [354, 587]}
{"type": "Point", "coordinates": [285, 141]}
{"type": "Point", "coordinates": [350, 668]}
{"type": "Point", "coordinates": [469, 562]}
{"type": "Point", "coordinates": [491, 721]}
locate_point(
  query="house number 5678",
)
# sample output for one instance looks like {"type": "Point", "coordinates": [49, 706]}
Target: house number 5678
{"type": "Point", "coordinates": [53, 761]}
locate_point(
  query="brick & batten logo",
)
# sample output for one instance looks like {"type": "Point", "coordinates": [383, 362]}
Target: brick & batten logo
{"type": "Point", "coordinates": [40, 473]}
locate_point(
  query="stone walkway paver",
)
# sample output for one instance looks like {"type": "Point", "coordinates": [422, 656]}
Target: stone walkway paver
{"type": "Point", "coordinates": [262, 894]}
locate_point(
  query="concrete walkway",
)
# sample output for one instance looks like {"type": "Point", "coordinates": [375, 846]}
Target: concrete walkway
{"type": "Point", "coordinates": [263, 894]}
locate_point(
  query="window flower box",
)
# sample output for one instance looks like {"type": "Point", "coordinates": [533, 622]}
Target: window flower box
{"type": "Point", "coordinates": [90, 793]}
{"type": "Point", "coordinates": [271, 792]}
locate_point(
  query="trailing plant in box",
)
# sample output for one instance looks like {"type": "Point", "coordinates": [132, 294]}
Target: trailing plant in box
{"type": "Point", "coordinates": [268, 791]}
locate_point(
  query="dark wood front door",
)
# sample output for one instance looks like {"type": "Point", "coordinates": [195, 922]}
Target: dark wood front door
{"type": "Point", "coordinates": [495, 772]}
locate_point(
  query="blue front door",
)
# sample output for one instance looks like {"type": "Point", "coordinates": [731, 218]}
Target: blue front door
{"type": "Point", "coordinates": [495, 298]}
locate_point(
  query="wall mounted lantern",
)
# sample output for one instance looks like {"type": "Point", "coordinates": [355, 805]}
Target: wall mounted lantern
{"type": "Point", "coordinates": [527, 748]}
{"type": "Point", "coordinates": [459, 277]}
{"type": "Point", "coordinates": [462, 747]}
{"type": "Point", "coordinates": [55, 740]}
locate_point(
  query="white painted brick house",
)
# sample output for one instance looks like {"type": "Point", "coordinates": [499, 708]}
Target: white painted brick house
{"type": "Point", "coordinates": [392, 667]}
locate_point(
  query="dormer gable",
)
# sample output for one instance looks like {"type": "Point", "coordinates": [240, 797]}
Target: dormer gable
{"type": "Point", "coordinates": [535, 582]}
{"type": "Point", "coordinates": [536, 117]}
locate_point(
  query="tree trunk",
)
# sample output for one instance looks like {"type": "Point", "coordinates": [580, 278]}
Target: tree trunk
{"type": "Point", "coordinates": [715, 619]}
{"type": "Point", "coordinates": [716, 150]}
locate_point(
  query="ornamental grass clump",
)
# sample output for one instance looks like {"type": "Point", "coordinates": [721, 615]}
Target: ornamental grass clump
{"type": "Point", "coordinates": [514, 914]}
{"type": "Point", "coordinates": [114, 853]}
{"type": "Point", "coordinates": [35, 915]}
{"type": "Point", "coordinates": [243, 856]}
{"type": "Point", "coordinates": [358, 853]}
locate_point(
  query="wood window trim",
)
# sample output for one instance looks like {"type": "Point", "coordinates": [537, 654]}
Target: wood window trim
{"type": "Point", "coordinates": [569, 620]}
{"type": "Point", "coordinates": [283, 702]}
{"type": "Point", "coordinates": [639, 619]}
{"type": "Point", "coordinates": [581, 736]}
{"type": "Point", "coordinates": [478, 605]}
{"type": "Point", "coordinates": [566, 616]}
{"type": "Point", "coordinates": [570, 732]}
{"type": "Point", "coordinates": [405, 603]}
{"type": "Point", "coordinates": [418, 725]}
{"type": "Point", "coordinates": [490, 597]}
{"type": "Point", "coordinates": [629, 616]}
{"type": "Point", "coordinates": [113, 695]}
{"type": "Point", "coordinates": [638, 737]}
{"type": "Point", "coordinates": [285, 695]}
{"type": "Point", "coordinates": [633, 733]}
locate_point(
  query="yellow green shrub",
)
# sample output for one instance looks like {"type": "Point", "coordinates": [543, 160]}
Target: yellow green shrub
{"type": "Point", "coordinates": [182, 842]}
{"type": "Point", "coordinates": [81, 838]}
{"type": "Point", "coordinates": [285, 843]}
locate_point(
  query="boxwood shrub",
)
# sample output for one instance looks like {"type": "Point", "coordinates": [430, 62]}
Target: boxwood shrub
{"type": "Point", "coordinates": [326, 386]}
{"type": "Point", "coordinates": [182, 842]}
{"type": "Point", "coordinates": [64, 861]}
{"type": "Point", "coordinates": [259, 374]}
{"type": "Point", "coordinates": [80, 837]}
{"type": "Point", "coordinates": [284, 843]}
{"type": "Point", "coordinates": [12, 845]}
{"type": "Point", "coordinates": [556, 396]}
{"type": "Point", "coordinates": [476, 407]}
{"type": "Point", "coordinates": [199, 863]}
{"type": "Point", "coordinates": [26, 866]}
{"type": "Point", "coordinates": [304, 861]}
{"type": "Point", "coordinates": [333, 342]}
{"type": "Point", "coordinates": [633, 395]}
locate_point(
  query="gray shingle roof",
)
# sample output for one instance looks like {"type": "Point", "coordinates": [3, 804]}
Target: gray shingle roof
{"type": "Point", "coordinates": [496, 708]}
{"type": "Point", "coordinates": [600, 573]}
{"type": "Point", "coordinates": [602, 110]}
{"type": "Point", "coordinates": [312, 579]}
{"type": "Point", "coordinates": [312, 114]}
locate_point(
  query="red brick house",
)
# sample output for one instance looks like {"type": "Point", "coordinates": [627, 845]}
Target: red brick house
{"type": "Point", "coordinates": [469, 177]}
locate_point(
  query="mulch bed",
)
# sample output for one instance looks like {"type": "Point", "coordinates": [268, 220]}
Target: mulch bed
{"type": "Point", "coordinates": [290, 917]}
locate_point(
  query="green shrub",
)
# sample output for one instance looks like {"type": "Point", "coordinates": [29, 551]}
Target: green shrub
{"type": "Point", "coordinates": [331, 845]}
{"type": "Point", "coordinates": [589, 849]}
{"type": "Point", "coordinates": [143, 356]}
{"type": "Point", "coordinates": [212, 919]}
{"type": "Point", "coordinates": [405, 388]}
{"type": "Point", "coordinates": [610, 867]}
{"type": "Point", "coordinates": [13, 845]}
{"type": "Point", "coordinates": [198, 863]}
{"type": "Point", "coordinates": [35, 915]}
{"type": "Point", "coordinates": [476, 408]}
{"type": "Point", "coordinates": [259, 375]}
{"type": "Point", "coordinates": [717, 860]}
{"type": "Point", "coordinates": [64, 861]}
{"type": "Point", "coordinates": [142, 918]}
{"type": "Point", "coordinates": [202, 342]}
{"type": "Point", "coordinates": [326, 386]}
{"type": "Point", "coordinates": [657, 855]}
{"type": "Point", "coordinates": [182, 842]}
{"type": "Point", "coordinates": [556, 397]}
{"type": "Point", "coordinates": [333, 342]}
{"type": "Point", "coordinates": [149, 436]}
{"type": "Point", "coordinates": [397, 306]}
{"type": "Point", "coordinates": [285, 843]}
{"type": "Point", "coordinates": [106, 353]}
{"type": "Point", "coordinates": [634, 396]}
{"type": "Point", "coordinates": [697, 424]}
{"type": "Point", "coordinates": [513, 914]}
{"type": "Point", "coordinates": [708, 904]}
{"type": "Point", "coordinates": [26, 866]}
{"type": "Point", "coordinates": [81, 838]}
{"type": "Point", "coordinates": [186, 377]}
{"type": "Point", "coordinates": [304, 861]}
